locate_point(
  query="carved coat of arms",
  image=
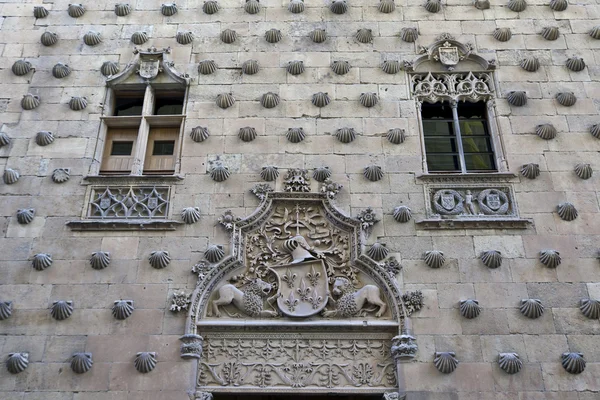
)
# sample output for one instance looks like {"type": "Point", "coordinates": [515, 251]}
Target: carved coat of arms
{"type": "Point", "coordinates": [149, 67]}
{"type": "Point", "coordinates": [448, 54]}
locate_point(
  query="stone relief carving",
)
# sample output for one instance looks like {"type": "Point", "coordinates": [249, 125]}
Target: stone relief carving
{"type": "Point", "coordinates": [81, 362]}
{"type": "Point", "coordinates": [190, 215]}
{"type": "Point", "coordinates": [5, 309]}
{"type": "Point", "coordinates": [191, 346]}
{"type": "Point", "coordinates": [10, 176]}
{"type": "Point", "coordinates": [404, 347]}
{"type": "Point", "coordinates": [260, 190]}
{"type": "Point", "coordinates": [352, 302]}
{"type": "Point", "coordinates": [227, 219]}
{"type": "Point", "coordinates": [159, 259]}
{"type": "Point", "coordinates": [297, 180]}
{"type": "Point", "coordinates": [413, 301]}
{"type": "Point", "coordinates": [129, 202]}
{"type": "Point", "coordinates": [180, 301]}
{"type": "Point", "coordinates": [41, 261]}
{"type": "Point", "coordinates": [446, 50]}
{"type": "Point", "coordinates": [25, 216]}
{"type": "Point", "coordinates": [436, 87]}
{"type": "Point", "coordinates": [61, 175]}
{"type": "Point", "coordinates": [145, 361]}
{"type": "Point", "coordinates": [445, 361]}
{"type": "Point", "coordinates": [573, 363]}
{"type": "Point", "coordinates": [249, 300]}
{"type": "Point", "coordinates": [148, 64]}
{"type": "Point", "coordinates": [61, 310]}
{"type": "Point", "coordinates": [17, 362]}
{"type": "Point", "coordinates": [510, 362]}
{"type": "Point", "coordinates": [122, 309]}
{"type": "Point", "coordinates": [330, 188]}
{"type": "Point", "coordinates": [100, 259]}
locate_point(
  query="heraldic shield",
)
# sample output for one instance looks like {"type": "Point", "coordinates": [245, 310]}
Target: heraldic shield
{"type": "Point", "coordinates": [303, 289]}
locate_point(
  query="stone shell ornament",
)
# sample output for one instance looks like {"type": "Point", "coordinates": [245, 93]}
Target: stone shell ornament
{"type": "Point", "coordinates": [139, 37]}
{"type": "Point", "coordinates": [445, 361]}
{"type": "Point", "coordinates": [207, 67]}
{"type": "Point", "coordinates": [49, 38]}
{"type": "Point", "coordinates": [550, 258]}
{"type": "Point", "coordinates": [566, 211]}
{"type": "Point", "coordinates": [340, 67]}
{"type": "Point", "coordinates": [434, 259]}
{"type": "Point", "coordinates": [433, 6]}
{"type": "Point", "coordinates": [510, 362]}
{"type": "Point", "coordinates": [184, 38]}
{"type": "Point", "coordinates": [368, 99]}
{"type": "Point", "coordinates": [44, 138]}
{"type": "Point", "coordinates": [481, 4]}
{"type": "Point", "coordinates": [321, 174]}
{"type": "Point", "coordinates": [531, 308]}
{"type": "Point", "coordinates": [273, 35]}
{"type": "Point", "coordinates": [5, 309]}
{"type": "Point", "coordinates": [409, 35]}
{"type": "Point", "coordinates": [61, 310]}
{"type": "Point", "coordinates": [584, 170]}
{"type": "Point", "coordinates": [396, 136]}
{"type": "Point", "coordinates": [61, 175]}
{"type": "Point", "coordinates": [402, 214]}
{"type": "Point", "coordinates": [575, 64]}
{"type": "Point", "coordinates": [100, 259]}
{"type": "Point", "coordinates": [295, 67]}
{"type": "Point", "coordinates": [386, 6]}
{"type": "Point", "coordinates": [17, 362]}
{"type": "Point", "coordinates": [517, 5]}
{"type": "Point", "coordinates": [590, 308]}
{"type": "Point", "coordinates": [491, 258]}
{"type": "Point", "coordinates": [530, 171]}
{"type": "Point", "coordinates": [517, 98]}
{"type": "Point", "coordinates": [546, 131]}
{"type": "Point", "coordinates": [269, 100]}
{"type": "Point", "coordinates": [228, 36]}
{"type": "Point", "coordinates": [345, 135]}
{"type": "Point", "coordinates": [470, 308]}
{"type": "Point", "coordinates": [391, 66]}
{"type": "Point", "coordinates": [30, 101]}
{"type": "Point", "coordinates": [219, 173]}
{"type": "Point", "coordinates": [595, 32]}
{"type": "Point", "coordinates": [573, 363]}
{"type": "Point", "coordinates": [61, 70]}
{"type": "Point", "coordinates": [145, 361]}
{"type": "Point", "coordinates": [296, 6]}
{"type": "Point", "coordinates": [250, 67]}
{"type": "Point", "coordinates": [25, 216]}
{"type": "Point", "coordinates": [550, 33]}
{"type": "Point", "coordinates": [247, 133]}
{"type": "Point", "coordinates": [168, 9]}
{"type": "Point", "coordinates": [10, 176]}
{"type": "Point", "coordinates": [109, 68]}
{"type": "Point", "coordinates": [530, 64]}
{"type": "Point", "coordinates": [81, 362]}
{"type": "Point", "coordinates": [321, 99]}
{"type": "Point", "coordinates": [78, 103]}
{"type": "Point", "coordinates": [318, 35]}
{"type": "Point", "coordinates": [76, 10]}
{"type": "Point", "coordinates": [199, 134]}
{"type": "Point", "coordinates": [269, 173]}
{"type": "Point", "coordinates": [159, 259]}
{"type": "Point", "coordinates": [190, 215]}
{"type": "Point", "coordinates": [210, 7]}
{"type": "Point", "coordinates": [225, 100]}
{"type": "Point", "coordinates": [4, 139]}
{"type": "Point", "coordinates": [558, 5]}
{"type": "Point", "coordinates": [122, 309]}
{"type": "Point", "coordinates": [41, 261]}
{"type": "Point", "coordinates": [378, 251]}
{"type": "Point", "coordinates": [502, 34]}
{"type": "Point", "coordinates": [122, 9]}
{"type": "Point", "coordinates": [21, 67]}
{"type": "Point", "coordinates": [566, 99]}
{"type": "Point", "coordinates": [595, 131]}
{"type": "Point", "coordinates": [40, 12]}
{"type": "Point", "coordinates": [295, 135]}
{"type": "Point", "coordinates": [214, 253]}
{"type": "Point", "coordinates": [373, 173]}
{"type": "Point", "coordinates": [92, 38]}
{"type": "Point", "coordinates": [338, 6]}
{"type": "Point", "coordinates": [364, 35]}
{"type": "Point", "coordinates": [252, 6]}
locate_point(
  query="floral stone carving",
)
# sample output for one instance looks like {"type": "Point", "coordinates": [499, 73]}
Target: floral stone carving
{"type": "Point", "coordinates": [81, 362]}
{"type": "Point", "coordinates": [445, 362]}
{"type": "Point", "coordinates": [573, 363]}
{"type": "Point", "coordinates": [61, 310]}
{"type": "Point", "coordinates": [180, 301]}
{"type": "Point", "coordinates": [452, 87]}
{"type": "Point", "coordinates": [413, 301]}
{"type": "Point", "coordinates": [122, 309]}
{"type": "Point", "coordinates": [145, 361]}
{"type": "Point", "coordinates": [392, 266]}
{"type": "Point", "coordinates": [260, 190]}
{"type": "Point", "coordinates": [227, 220]}
{"type": "Point", "coordinates": [17, 362]}
{"type": "Point", "coordinates": [5, 309]}
{"type": "Point", "coordinates": [330, 188]}
{"type": "Point", "coordinates": [297, 180]}
{"type": "Point", "coordinates": [510, 362]}
{"type": "Point", "coordinates": [367, 218]}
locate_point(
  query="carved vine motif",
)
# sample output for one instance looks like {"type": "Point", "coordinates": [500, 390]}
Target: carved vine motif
{"type": "Point", "coordinates": [432, 87]}
{"type": "Point", "coordinates": [129, 202]}
{"type": "Point", "coordinates": [472, 202]}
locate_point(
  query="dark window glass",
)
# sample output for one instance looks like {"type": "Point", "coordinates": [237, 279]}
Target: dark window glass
{"type": "Point", "coordinates": [128, 105]}
{"type": "Point", "coordinates": [168, 105]}
{"type": "Point", "coordinates": [121, 148]}
{"type": "Point", "coordinates": [163, 148]}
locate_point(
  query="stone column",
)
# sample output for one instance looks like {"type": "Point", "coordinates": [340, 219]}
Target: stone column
{"type": "Point", "coordinates": [404, 350]}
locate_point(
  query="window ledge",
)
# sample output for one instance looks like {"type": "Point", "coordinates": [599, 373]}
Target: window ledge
{"type": "Point", "coordinates": [474, 223]}
{"type": "Point", "coordinates": [124, 225]}
{"type": "Point", "coordinates": [474, 177]}
{"type": "Point", "coordinates": [132, 179]}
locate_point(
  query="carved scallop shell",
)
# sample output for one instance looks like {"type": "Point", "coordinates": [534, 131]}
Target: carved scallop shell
{"type": "Point", "coordinates": [550, 33]}
{"type": "Point", "coordinates": [550, 258]}
{"type": "Point", "coordinates": [517, 98]}
{"type": "Point", "coordinates": [318, 35]}
{"type": "Point", "coordinates": [295, 135]}
{"type": "Point", "coordinates": [214, 253]}
{"type": "Point", "coordinates": [481, 4]}
{"type": "Point", "coordinates": [321, 174]}
{"type": "Point", "coordinates": [92, 38]}
{"type": "Point", "coordinates": [402, 214]}
{"type": "Point", "coordinates": [49, 38]}
{"type": "Point", "coordinates": [78, 103]}
{"type": "Point", "coordinates": [190, 215]}
{"type": "Point", "coordinates": [109, 68]}
{"type": "Point", "coordinates": [433, 6]}
{"type": "Point", "coordinates": [184, 37]}
{"type": "Point", "coordinates": [386, 6]}
{"type": "Point", "coordinates": [122, 309]}
{"type": "Point", "coordinates": [207, 67]}
{"type": "Point", "coordinates": [338, 6]}
{"type": "Point", "coordinates": [345, 135]}
{"type": "Point", "coordinates": [530, 64]}
{"type": "Point", "coordinates": [559, 5]}
{"type": "Point", "coordinates": [228, 36]}
{"type": "Point", "coordinates": [409, 35]}
{"type": "Point", "coordinates": [61, 310]}
{"type": "Point", "coordinates": [100, 259]}
{"type": "Point", "coordinates": [502, 34]}
{"type": "Point", "coordinates": [17, 362]}
{"type": "Point", "coordinates": [575, 64]}
{"type": "Point", "coordinates": [252, 6]}
{"type": "Point", "coordinates": [373, 173]}
{"type": "Point", "coordinates": [10, 176]}
{"type": "Point", "coordinates": [434, 258]}
{"type": "Point", "coordinates": [225, 100]}
{"type": "Point", "coordinates": [510, 362]}
{"type": "Point", "coordinates": [532, 308]}
{"type": "Point", "coordinates": [44, 138]}
{"type": "Point", "coordinates": [81, 362]}
{"type": "Point", "coordinates": [168, 9]}
{"type": "Point", "coordinates": [530, 170]}
{"type": "Point", "coordinates": [250, 67]}
{"type": "Point", "coordinates": [396, 136]}
{"type": "Point", "coordinates": [210, 7]}
{"type": "Point", "coordinates": [378, 251]}
{"type": "Point", "coordinates": [139, 37]}
{"type": "Point", "coordinates": [269, 173]}
{"type": "Point", "coordinates": [5, 309]}
{"type": "Point", "coordinates": [247, 133]}
{"type": "Point", "coordinates": [590, 308]}
{"type": "Point", "coordinates": [30, 101]}
{"type": "Point", "coordinates": [41, 261]}
{"type": "Point", "coordinates": [4, 139]}
{"type": "Point", "coordinates": [273, 35]}
{"type": "Point", "coordinates": [61, 70]}
{"type": "Point", "coordinates": [199, 134]}
{"type": "Point", "coordinates": [491, 258]}
{"type": "Point", "coordinates": [595, 131]}
{"type": "Point", "coordinates": [517, 5]}
{"type": "Point", "coordinates": [61, 175]}
{"type": "Point", "coordinates": [340, 67]}
{"type": "Point", "coordinates": [391, 66]}
{"type": "Point", "coordinates": [546, 131]}
{"type": "Point", "coordinates": [470, 308]}
{"type": "Point", "coordinates": [122, 9]}
{"type": "Point", "coordinates": [295, 67]}
{"type": "Point", "coordinates": [145, 362]}
{"type": "Point", "coordinates": [269, 100]}
{"type": "Point", "coordinates": [364, 35]}
{"type": "Point", "coordinates": [584, 170]}
{"type": "Point", "coordinates": [40, 12]}
{"type": "Point", "coordinates": [573, 363]}
{"type": "Point", "coordinates": [368, 99]}
{"type": "Point", "coordinates": [21, 67]}
{"type": "Point", "coordinates": [219, 173]}
{"type": "Point", "coordinates": [159, 259]}
{"type": "Point", "coordinates": [566, 211]}
{"type": "Point", "coordinates": [445, 362]}
{"type": "Point", "coordinates": [296, 6]}
{"type": "Point", "coordinates": [566, 99]}
{"type": "Point", "coordinates": [25, 216]}
{"type": "Point", "coordinates": [595, 32]}
{"type": "Point", "coordinates": [76, 10]}
{"type": "Point", "coordinates": [321, 99]}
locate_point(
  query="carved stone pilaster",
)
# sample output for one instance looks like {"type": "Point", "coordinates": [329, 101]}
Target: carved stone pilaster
{"type": "Point", "coordinates": [191, 346]}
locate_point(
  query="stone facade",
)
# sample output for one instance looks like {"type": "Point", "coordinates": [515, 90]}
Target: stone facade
{"type": "Point", "coordinates": [94, 300]}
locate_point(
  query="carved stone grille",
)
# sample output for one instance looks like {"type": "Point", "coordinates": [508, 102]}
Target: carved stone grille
{"type": "Point", "coordinates": [129, 202]}
{"type": "Point", "coordinates": [468, 86]}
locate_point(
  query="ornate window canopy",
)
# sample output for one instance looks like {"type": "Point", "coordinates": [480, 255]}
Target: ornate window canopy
{"type": "Point", "coordinates": [437, 87]}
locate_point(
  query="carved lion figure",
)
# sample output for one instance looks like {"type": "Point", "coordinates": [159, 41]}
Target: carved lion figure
{"type": "Point", "coordinates": [250, 299]}
{"type": "Point", "coordinates": [351, 301]}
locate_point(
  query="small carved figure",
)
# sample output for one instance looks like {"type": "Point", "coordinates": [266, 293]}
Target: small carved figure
{"type": "Point", "coordinates": [351, 301]}
{"type": "Point", "coordinates": [250, 300]}
{"type": "Point", "coordinates": [469, 207]}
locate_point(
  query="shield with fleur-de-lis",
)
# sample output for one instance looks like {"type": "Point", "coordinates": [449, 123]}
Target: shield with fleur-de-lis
{"type": "Point", "coordinates": [303, 289]}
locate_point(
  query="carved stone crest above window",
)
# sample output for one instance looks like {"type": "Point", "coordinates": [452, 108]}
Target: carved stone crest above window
{"type": "Point", "coordinates": [148, 64]}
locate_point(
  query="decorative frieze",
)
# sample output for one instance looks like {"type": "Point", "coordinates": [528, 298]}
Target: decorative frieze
{"type": "Point", "coordinates": [128, 202]}
{"type": "Point", "coordinates": [436, 87]}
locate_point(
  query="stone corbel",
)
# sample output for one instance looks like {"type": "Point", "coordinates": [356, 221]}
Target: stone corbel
{"type": "Point", "coordinates": [191, 346]}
